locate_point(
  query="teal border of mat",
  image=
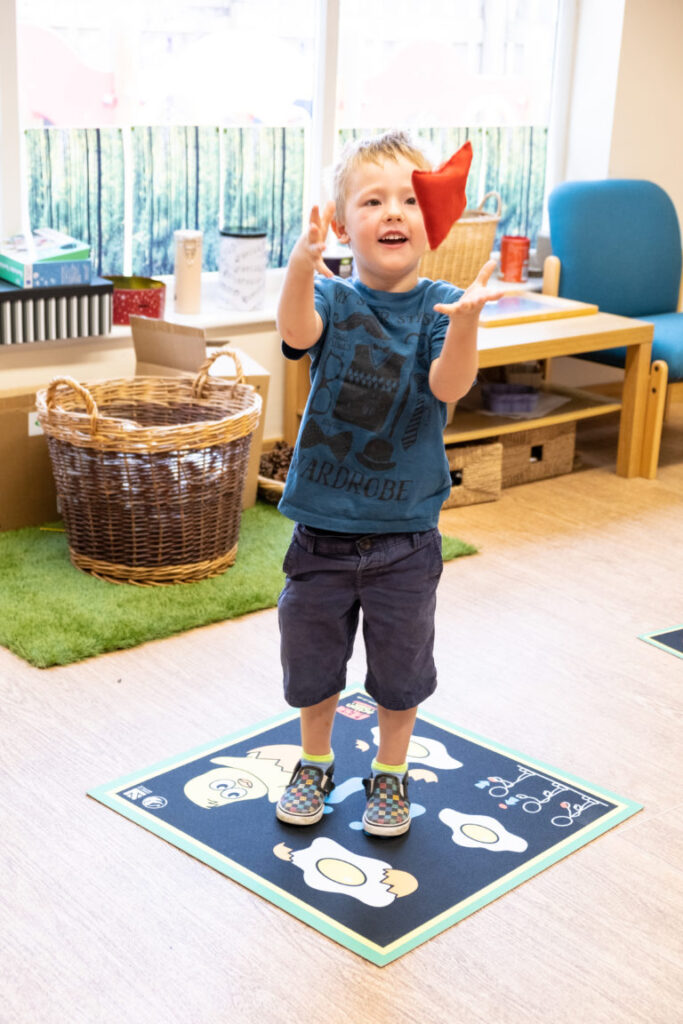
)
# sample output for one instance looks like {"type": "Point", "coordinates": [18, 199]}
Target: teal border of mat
{"type": "Point", "coordinates": [649, 639]}
{"type": "Point", "coordinates": [379, 955]}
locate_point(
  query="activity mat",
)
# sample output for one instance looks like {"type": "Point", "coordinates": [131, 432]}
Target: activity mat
{"type": "Point", "coordinates": [670, 640]}
{"type": "Point", "coordinates": [485, 819]}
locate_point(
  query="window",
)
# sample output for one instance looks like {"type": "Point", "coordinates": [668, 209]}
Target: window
{"type": "Point", "coordinates": [163, 120]}
{"type": "Point", "coordinates": [453, 70]}
{"type": "Point", "coordinates": [143, 116]}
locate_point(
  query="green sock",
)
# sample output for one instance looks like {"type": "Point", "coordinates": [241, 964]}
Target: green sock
{"type": "Point", "coordinates": [323, 761]}
{"type": "Point", "coordinates": [389, 769]}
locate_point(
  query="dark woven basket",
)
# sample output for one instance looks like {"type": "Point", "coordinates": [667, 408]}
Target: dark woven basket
{"type": "Point", "coordinates": [150, 471]}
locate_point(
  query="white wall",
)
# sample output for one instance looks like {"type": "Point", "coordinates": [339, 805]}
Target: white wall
{"type": "Point", "coordinates": [598, 28]}
{"type": "Point", "coordinates": [10, 216]}
{"type": "Point", "coordinates": [625, 118]}
{"type": "Point", "coordinates": [647, 134]}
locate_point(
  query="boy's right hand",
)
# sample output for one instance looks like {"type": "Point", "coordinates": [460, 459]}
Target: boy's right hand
{"type": "Point", "coordinates": [311, 245]}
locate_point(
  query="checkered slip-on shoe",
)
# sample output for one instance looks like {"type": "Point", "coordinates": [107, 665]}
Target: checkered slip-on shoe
{"type": "Point", "coordinates": [303, 801]}
{"type": "Point", "coordinates": [387, 812]}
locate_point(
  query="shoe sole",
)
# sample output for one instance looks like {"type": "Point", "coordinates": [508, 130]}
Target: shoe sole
{"type": "Point", "coordinates": [299, 819]}
{"type": "Point", "coordinates": [386, 830]}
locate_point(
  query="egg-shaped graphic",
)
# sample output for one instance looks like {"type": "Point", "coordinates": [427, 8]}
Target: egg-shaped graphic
{"type": "Point", "coordinates": [478, 831]}
{"type": "Point", "coordinates": [265, 771]}
{"type": "Point", "coordinates": [425, 750]}
{"type": "Point", "coordinates": [330, 867]}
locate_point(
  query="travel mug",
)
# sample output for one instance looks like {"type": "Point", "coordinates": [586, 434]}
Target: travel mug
{"type": "Point", "coordinates": [514, 258]}
{"type": "Point", "coordinates": [188, 271]}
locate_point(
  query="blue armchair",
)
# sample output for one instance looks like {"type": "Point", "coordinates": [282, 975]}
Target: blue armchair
{"type": "Point", "coordinates": [617, 243]}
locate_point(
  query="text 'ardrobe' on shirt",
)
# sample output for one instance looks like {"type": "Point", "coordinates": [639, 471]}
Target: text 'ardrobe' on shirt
{"type": "Point", "coordinates": [370, 456]}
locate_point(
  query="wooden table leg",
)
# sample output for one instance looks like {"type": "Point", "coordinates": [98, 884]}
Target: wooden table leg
{"type": "Point", "coordinates": [633, 405]}
{"type": "Point", "coordinates": [654, 416]}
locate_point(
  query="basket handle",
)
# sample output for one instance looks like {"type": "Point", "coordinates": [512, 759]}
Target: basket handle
{"type": "Point", "coordinates": [489, 195]}
{"type": "Point", "coordinates": [90, 403]}
{"type": "Point", "coordinates": [203, 371]}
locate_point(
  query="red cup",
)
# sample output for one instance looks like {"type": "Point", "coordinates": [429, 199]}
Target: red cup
{"type": "Point", "coordinates": [514, 258]}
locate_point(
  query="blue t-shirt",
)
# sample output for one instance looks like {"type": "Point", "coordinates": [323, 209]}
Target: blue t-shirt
{"type": "Point", "coordinates": [370, 455]}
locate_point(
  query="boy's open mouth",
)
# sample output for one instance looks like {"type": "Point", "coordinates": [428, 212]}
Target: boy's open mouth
{"type": "Point", "coordinates": [393, 239]}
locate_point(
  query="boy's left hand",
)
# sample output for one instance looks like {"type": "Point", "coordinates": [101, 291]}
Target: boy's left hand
{"type": "Point", "coordinates": [475, 297]}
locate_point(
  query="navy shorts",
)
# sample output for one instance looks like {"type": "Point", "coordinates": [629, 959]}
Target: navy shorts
{"type": "Point", "coordinates": [392, 578]}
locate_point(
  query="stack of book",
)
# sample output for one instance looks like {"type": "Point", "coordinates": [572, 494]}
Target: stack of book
{"type": "Point", "coordinates": [47, 290]}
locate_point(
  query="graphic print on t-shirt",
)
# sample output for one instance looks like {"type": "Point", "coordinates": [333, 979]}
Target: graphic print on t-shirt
{"type": "Point", "coordinates": [370, 451]}
{"type": "Point", "coordinates": [368, 391]}
{"type": "Point", "coordinates": [369, 387]}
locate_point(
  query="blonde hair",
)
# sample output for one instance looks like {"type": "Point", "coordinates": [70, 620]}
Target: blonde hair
{"type": "Point", "coordinates": [389, 146]}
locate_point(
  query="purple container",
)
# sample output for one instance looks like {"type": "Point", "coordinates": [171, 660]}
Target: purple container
{"type": "Point", "coordinates": [509, 398]}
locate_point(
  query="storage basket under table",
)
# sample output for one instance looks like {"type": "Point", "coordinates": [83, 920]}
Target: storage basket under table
{"type": "Point", "coordinates": [476, 473]}
{"type": "Point", "coordinates": [150, 471]}
{"type": "Point", "coordinates": [538, 453]}
{"type": "Point", "coordinates": [466, 247]}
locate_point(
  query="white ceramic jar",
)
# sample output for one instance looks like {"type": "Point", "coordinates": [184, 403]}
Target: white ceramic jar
{"type": "Point", "coordinates": [242, 267]}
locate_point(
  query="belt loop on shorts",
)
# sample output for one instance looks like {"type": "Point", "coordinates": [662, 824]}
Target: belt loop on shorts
{"type": "Point", "coordinates": [306, 540]}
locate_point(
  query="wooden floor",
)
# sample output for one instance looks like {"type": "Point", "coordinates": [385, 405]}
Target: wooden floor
{"type": "Point", "coordinates": [100, 921]}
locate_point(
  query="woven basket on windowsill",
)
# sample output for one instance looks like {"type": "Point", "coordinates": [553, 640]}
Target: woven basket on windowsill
{"type": "Point", "coordinates": [466, 247]}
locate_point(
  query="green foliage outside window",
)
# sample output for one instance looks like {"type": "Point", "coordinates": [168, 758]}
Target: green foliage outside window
{"type": "Point", "coordinates": [180, 176]}
{"type": "Point", "coordinates": [510, 161]}
{"type": "Point", "coordinates": [76, 185]}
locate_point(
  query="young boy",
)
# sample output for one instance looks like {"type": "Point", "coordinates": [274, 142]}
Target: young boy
{"type": "Point", "coordinates": [369, 472]}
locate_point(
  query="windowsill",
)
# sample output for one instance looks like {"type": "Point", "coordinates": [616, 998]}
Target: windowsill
{"type": "Point", "coordinates": [213, 311]}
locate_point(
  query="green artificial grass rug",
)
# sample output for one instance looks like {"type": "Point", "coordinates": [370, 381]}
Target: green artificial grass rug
{"type": "Point", "coordinates": [53, 614]}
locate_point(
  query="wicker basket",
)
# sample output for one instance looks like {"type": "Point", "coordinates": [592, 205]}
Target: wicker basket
{"type": "Point", "coordinates": [539, 453]}
{"type": "Point", "coordinates": [466, 248]}
{"type": "Point", "coordinates": [150, 471]}
{"type": "Point", "coordinates": [476, 473]}
{"type": "Point", "coordinates": [270, 490]}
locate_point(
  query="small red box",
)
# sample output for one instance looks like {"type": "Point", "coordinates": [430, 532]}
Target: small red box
{"type": "Point", "coordinates": [140, 296]}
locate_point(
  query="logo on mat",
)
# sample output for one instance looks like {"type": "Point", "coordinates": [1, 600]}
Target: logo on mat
{"type": "Point", "coordinates": [154, 803]}
{"type": "Point", "coordinates": [137, 792]}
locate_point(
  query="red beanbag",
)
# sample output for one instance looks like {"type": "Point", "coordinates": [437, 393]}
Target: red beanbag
{"type": "Point", "coordinates": [441, 194]}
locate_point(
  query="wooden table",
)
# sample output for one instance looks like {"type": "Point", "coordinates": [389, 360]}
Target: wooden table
{"type": "Point", "coordinates": [570, 336]}
{"type": "Point", "coordinates": [540, 340]}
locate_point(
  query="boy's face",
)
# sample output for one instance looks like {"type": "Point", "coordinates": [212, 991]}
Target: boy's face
{"type": "Point", "coordinates": [384, 225]}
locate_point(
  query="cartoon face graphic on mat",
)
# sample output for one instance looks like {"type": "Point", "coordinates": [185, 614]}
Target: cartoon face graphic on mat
{"type": "Point", "coordinates": [425, 750]}
{"type": "Point", "coordinates": [330, 867]}
{"type": "Point", "coordinates": [265, 771]}
{"type": "Point", "coordinates": [478, 831]}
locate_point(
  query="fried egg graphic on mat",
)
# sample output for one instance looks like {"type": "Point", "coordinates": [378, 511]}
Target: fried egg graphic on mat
{"type": "Point", "coordinates": [480, 831]}
{"type": "Point", "coordinates": [425, 750]}
{"type": "Point", "coordinates": [265, 771]}
{"type": "Point", "coordinates": [330, 867]}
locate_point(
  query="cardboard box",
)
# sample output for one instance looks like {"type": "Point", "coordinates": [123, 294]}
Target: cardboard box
{"type": "Point", "coordinates": [27, 491]}
{"type": "Point", "coordinates": [164, 349]}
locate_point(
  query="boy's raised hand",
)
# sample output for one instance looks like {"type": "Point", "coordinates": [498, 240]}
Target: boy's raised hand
{"type": "Point", "coordinates": [475, 297]}
{"type": "Point", "coordinates": [311, 245]}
